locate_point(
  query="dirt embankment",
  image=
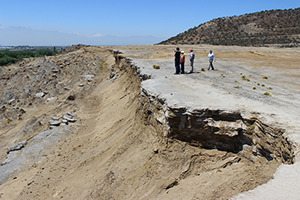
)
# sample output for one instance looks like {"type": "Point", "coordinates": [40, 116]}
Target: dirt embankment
{"type": "Point", "coordinates": [123, 145]}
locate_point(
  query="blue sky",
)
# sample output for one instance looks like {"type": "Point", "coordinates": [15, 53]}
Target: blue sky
{"type": "Point", "coordinates": [123, 18]}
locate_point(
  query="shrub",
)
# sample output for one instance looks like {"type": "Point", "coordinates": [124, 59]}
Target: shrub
{"type": "Point", "coordinates": [267, 93]}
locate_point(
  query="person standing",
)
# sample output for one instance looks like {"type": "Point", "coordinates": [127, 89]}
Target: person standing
{"type": "Point", "coordinates": [182, 61]}
{"type": "Point", "coordinates": [212, 58]}
{"type": "Point", "coordinates": [192, 58]}
{"type": "Point", "coordinates": [177, 60]}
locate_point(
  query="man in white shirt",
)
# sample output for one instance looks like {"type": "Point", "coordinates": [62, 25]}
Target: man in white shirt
{"type": "Point", "coordinates": [192, 58]}
{"type": "Point", "coordinates": [212, 58]}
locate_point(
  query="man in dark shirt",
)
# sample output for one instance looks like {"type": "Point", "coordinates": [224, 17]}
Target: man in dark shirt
{"type": "Point", "coordinates": [177, 60]}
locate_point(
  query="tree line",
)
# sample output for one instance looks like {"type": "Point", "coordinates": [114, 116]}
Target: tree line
{"type": "Point", "coordinates": [11, 57]}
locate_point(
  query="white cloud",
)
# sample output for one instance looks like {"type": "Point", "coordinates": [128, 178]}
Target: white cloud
{"type": "Point", "coordinates": [88, 35]}
{"type": "Point", "coordinates": [98, 35]}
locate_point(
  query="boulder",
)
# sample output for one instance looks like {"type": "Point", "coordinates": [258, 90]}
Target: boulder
{"type": "Point", "coordinates": [55, 118]}
{"type": "Point", "coordinates": [27, 91]}
{"type": "Point", "coordinates": [51, 99]}
{"type": "Point", "coordinates": [10, 101]}
{"type": "Point", "coordinates": [40, 95]}
{"type": "Point", "coordinates": [69, 118]}
{"type": "Point", "coordinates": [89, 77]}
{"type": "Point", "coordinates": [54, 122]}
{"type": "Point", "coordinates": [16, 147]}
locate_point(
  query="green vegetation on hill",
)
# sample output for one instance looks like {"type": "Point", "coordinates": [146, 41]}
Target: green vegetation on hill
{"type": "Point", "coordinates": [257, 29]}
{"type": "Point", "coordinates": [10, 57]}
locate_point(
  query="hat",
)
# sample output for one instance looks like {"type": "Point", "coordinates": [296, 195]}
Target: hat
{"type": "Point", "coordinates": [182, 51]}
{"type": "Point", "coordinates": [191, 50]}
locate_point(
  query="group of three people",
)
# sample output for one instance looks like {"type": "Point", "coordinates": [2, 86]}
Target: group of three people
{"type": "Point", "coordinates": [180, 60]}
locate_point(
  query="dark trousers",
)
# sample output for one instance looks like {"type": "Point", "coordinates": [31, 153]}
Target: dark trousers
{"type": "Point", "coordinates": [177, 68]}
{"type": "Point", "coordinates": [211, 64]}
{"type": "Point", "coordinates": [182, 68]}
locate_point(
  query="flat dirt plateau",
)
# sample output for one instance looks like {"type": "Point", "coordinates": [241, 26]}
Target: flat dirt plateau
{"type": "Point", "coordinates": [97, 124]}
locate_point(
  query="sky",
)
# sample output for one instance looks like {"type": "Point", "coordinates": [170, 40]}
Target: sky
{"type": "Point", "coordinates": [97, 22]}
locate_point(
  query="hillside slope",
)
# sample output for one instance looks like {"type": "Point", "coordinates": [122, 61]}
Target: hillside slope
{"type": "Point", "coordinates": [256, 29]}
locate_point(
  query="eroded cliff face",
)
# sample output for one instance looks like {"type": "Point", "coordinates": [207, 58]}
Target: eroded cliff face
{"type": "Point", "coordinates": [224, 130]}
{"type": "Point", "coordinates": [230, 131]}
{"type": "Point", "coordinates": [210, 141]}
{"type": "Point", "coordinates": [129, 144]}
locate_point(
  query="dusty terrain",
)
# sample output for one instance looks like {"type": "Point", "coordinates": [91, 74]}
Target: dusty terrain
{"type": "Point", "coordinates": [131, 140]}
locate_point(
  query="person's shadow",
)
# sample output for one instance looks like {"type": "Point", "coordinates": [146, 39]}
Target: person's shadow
{"type": "Point", "coordinates": [193, 73]}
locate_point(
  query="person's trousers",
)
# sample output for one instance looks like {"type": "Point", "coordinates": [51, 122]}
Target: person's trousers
{"type": "Point", "coordinates": [192, 66]}
{"type": "Point", "coordinates": [211, 64]}
{"type": "Point", "coordinates": [177, 67]}
{"type": "Point", "coordinates": [182, 68]}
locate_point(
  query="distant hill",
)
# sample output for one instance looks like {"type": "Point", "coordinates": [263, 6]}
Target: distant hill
{"type": "Point", "coordinates": [266, 28]}
{"type": "Point", "coordinates": [19, 35]}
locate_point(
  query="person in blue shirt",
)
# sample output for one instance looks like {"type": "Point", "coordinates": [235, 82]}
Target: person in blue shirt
{"type": "Point", "coordinates": [212, 58]}
{"type": "Point", "coordinates": [192, 58]}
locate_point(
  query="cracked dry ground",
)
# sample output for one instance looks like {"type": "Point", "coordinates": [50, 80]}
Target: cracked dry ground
{"type": "Point", "coordinates": [116, 151]}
